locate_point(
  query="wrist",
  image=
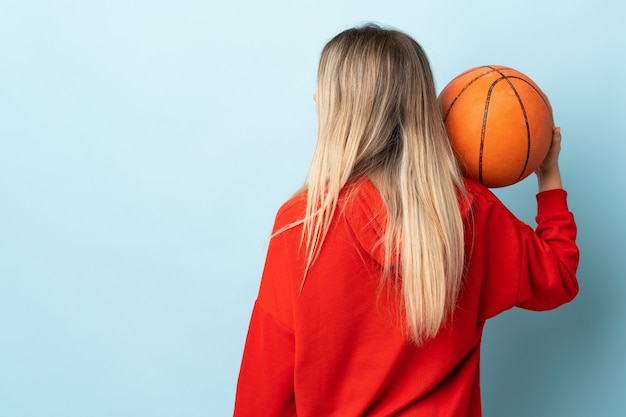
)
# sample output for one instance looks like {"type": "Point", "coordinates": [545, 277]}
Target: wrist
{"type": "Point", "coordinates": [549, 179]}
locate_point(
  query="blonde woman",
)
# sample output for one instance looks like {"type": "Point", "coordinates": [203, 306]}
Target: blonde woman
{"type": "Point", "coordinates": [382, 271]}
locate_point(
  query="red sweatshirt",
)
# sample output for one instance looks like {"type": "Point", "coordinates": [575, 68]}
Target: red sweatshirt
{"type": "Point", "coordinates": [336, 348]}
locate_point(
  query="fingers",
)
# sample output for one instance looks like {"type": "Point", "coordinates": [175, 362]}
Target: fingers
{"type": "Point", "coordinates": [555, 146]}
{"type": "Point", "coordinates": [548, 173]}
{"type": "Point", "coordinates": [556, 135]}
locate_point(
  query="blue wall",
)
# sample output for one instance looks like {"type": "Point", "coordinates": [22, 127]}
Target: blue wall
{"type": "Point", "coordinates": [146, 145]}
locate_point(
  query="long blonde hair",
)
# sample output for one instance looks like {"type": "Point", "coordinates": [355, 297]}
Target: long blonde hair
{"type": "Point", "coordinates": [378, 116]}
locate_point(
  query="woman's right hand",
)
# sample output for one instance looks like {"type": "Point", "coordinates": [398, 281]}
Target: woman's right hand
{"type": "Point", "coordinates": [548, 173]}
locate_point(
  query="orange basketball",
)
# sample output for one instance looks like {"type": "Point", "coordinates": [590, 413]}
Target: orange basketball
{"type": "Point", "coordinates": [499, 123]}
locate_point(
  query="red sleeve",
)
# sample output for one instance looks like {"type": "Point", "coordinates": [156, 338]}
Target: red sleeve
{"type": "Point", "coordinates": [266, 379]}
{"type": "Point", "coordinates": [265, 386]}
{"type": "Point", "coordinates": [531, 269]}
{"type": "Point", "coordinates": [550, 279]}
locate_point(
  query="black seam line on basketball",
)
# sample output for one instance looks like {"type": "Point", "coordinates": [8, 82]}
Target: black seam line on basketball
{"type": "Point", "coordinates": [491, 67]}
{"type": "Point", "coordinates": [521, 103]}
{"type": "Point", "coordinates": [483, 128]}
{"type": "Point", "coordinates": [484, 125]}
{"type": "Point", "coordinates": [543, 98]}
{"type": "Point", "coordinates": [541, 95]}
{"type": "Point", "coordinates": [445, 116]}
{"type": "Point", "coordinates": [485, 114]}
{"type": "Point", "coordinates": [499, 70]}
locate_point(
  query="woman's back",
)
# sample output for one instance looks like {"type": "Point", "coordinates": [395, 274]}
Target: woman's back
{"type": "Point", "coordinates": [339, 346]}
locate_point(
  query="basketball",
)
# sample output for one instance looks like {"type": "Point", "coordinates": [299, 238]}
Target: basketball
{"type": "Point", "coordinates": [499, 123]}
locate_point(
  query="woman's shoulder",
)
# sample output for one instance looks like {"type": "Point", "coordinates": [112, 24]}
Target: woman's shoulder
{"type": "Point", "coordinates": [476, 194]}
{"type": "Point", "coordinates": [478, 190]}
{"type": "Point", "coordinates": [358, 195]}
{"type": "Point", "coordinates": [292, 210]}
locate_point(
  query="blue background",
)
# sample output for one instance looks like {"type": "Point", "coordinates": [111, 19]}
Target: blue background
{"type": "Point", "coordinates": [145, 147]}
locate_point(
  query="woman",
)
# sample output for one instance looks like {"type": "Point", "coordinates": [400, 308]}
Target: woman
{"type": "Point", "coordinates": [381, 273]}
